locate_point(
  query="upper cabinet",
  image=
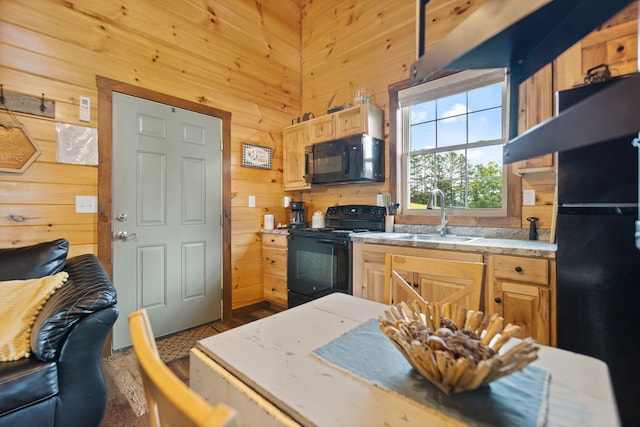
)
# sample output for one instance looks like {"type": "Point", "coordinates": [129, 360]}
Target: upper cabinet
{"type": "Point", "coordinates": [535, 106]}
{"type": "Point", "coordinates": [294, 169]}
{"type": "Point", "coordinates": [363, 118]}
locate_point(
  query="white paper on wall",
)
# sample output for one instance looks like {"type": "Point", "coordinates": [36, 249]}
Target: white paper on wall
{"type": "Point", "coordinates": [76, 144]}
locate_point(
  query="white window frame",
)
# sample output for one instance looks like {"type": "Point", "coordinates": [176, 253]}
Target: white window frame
{"type": "Point", "coordinates": [438, 88]}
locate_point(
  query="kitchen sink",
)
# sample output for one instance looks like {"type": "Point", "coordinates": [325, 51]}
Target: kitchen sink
{"type": "Point", "coordinates": [425, 237]}
{"type": "Point", "coordinates": [449, 238]}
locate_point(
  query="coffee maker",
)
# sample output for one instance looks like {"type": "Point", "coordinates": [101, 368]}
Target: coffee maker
{"type": "Point", "coordinates": [297, 215]}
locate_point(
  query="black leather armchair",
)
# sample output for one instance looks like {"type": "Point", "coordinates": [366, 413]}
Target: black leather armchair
{"type": "Point", "coordinates": [62, 382]}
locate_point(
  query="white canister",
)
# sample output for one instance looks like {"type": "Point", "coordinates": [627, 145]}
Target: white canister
{"type": "Point", "coordinates": [269, 221]}
{"type": "Point", "coordinates": [317, 220]}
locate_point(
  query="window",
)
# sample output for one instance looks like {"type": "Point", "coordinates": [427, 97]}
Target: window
{"type": "Point", "coordinates": [450, 134]}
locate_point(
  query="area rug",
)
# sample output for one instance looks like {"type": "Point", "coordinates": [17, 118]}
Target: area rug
{"type": "Point", "coordinates": [123, 365]}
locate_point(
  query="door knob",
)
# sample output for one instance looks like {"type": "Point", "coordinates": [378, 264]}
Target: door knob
{"type": "Point", "coordinates": [498, 300]}
{"type": "Point", "coordinates": [123, 235]}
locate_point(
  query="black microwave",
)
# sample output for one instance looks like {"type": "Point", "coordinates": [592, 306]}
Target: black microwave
{"type": "Point", "coordinates": [358, 158]}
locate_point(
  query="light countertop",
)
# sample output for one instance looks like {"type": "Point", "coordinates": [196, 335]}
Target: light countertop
{"type": "Point", "coordinates": [532, 248]}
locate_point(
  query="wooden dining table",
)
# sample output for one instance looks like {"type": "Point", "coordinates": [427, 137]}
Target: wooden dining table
{"type": "Point", "coordinates": [268, 372]}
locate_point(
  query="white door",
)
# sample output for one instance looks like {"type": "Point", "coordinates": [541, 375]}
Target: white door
{"type": "Point", "coordinates": [167, 203]}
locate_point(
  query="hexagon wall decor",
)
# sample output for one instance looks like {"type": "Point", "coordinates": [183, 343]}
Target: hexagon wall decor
{"type": "Point", "coordinates": [17, 149]}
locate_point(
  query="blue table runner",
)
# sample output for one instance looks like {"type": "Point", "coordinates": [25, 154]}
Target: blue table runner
{"type": "Point", "coordinates": [519, 399]}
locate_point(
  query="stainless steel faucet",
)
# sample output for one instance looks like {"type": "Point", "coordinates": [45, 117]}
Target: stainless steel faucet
{"type": "Point", "coordinates": [430, 203]}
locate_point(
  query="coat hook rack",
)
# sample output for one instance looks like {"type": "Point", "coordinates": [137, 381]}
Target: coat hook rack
{"type": "Point", "coordinates": [33, 105]}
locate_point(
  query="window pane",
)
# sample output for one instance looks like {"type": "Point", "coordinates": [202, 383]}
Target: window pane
{"type": "Point", "coordinates": [421, 113]}
{"type": "Point", "coordinates": [485, 193]}
{"type": "Point", "coordinates": [485, 125]}
{"type": "Point", "coordinates": [485, 97]}
{"type": "Point", "coordinates": [453, 105]}
{"type": "Point", "coordinates": [485, 177]}
{"type": "Point", "coordinates": [485, 156]}
{"type": "Point", "coordinates": [423, 136]}
{"type": "Point", "coordinates": [421, 179]}
{"type": "Point", "coordinates": [452, 131]}
{"type": "Point", "coordinates": [451, 165]}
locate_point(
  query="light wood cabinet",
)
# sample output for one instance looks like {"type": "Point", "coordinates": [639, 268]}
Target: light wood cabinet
{"type": "Point", "coordinates": [322, 129]}
{"type": "Point", "coordinates": [535, 106]}
{"type": "Point", "coordinates": [274, 268]}
{"type": "Point", "coordinates": [364, 118]}
{"type": "Point", "coordinates": [294, 164]}
{"type": "Point", "coordinates": [369, 270]}
{"type": "Point", "coordinates": [520, 289]}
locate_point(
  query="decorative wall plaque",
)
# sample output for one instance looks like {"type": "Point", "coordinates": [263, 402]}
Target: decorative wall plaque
{"type": "Point", "coordinates": [17, 149]}
{"type": "Point", "coordinates": [254, 156]}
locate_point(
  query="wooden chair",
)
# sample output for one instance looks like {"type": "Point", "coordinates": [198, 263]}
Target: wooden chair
{"type": "Point", "coordinates": [442, 281]}
{"type": "Point", "coordinates": [171, 402]}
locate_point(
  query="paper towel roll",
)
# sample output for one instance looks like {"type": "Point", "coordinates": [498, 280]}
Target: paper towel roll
{"type": "Point", "coordinates": [269, 221]}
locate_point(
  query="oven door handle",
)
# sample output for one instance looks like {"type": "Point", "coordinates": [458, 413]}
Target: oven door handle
{"type": "Point", "coordinates": [333, 242]}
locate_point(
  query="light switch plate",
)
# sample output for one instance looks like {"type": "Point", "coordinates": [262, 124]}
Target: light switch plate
{"type": "Point", "coordinates": [528, 197]}
{"type": "Point", "coordinates": [86, 204]}
{"type": "Point", "coordinates": [252, 201]}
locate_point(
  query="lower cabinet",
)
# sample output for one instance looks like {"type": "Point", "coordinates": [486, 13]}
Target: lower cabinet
{"type": "Point", "coordinates": [521, 290]}
{"type": "Point", "coordinates": [369, 269]}
{"type": "Point", "coordinates": [274, 268]}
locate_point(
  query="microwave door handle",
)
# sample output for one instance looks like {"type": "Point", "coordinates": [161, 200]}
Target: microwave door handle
{"type": "Point", "coordinates": [345, 161]}
{"type": "Point", "coordinates": [306, 165]}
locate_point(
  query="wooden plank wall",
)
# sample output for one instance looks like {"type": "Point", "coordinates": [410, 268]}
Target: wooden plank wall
{"type": "Point", "coordinates": [264, 61]}
{"type": "Point", "coordinates": [240, 56]}
{"type": "Point", "coordinates": [352, 44]}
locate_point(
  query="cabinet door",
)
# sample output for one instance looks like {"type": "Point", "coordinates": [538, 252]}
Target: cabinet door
{"type": "Point", "coordinates": [438, 288]}
{"type": "Point", "coordinates": [294, 140]}
{"type": "Point", "coordinates": [527, 306]}
{"type": "Point", "coordinates": [322, 129]}
{"type": "Point", "coordinates": [536, 105]}
{"type": "Point", "coordinates": [351, 121]}
{"type": "Point", "coordinates": [372, 287]}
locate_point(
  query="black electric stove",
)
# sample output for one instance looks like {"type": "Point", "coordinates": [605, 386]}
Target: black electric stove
{"type": "Point", "coordinates": [341, 221]}
{"type": "Point", "coordinates": [319, 259]}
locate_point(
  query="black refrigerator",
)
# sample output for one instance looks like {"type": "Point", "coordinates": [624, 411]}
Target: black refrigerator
{"type": "Point", "coordinates": [598, 263]}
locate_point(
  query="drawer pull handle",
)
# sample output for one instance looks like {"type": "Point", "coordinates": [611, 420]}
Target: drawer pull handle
{"type": "Point", "coordinates": [272, 261]}
{"type": "Point", "coordinates": [498, 300]}
{"type": "Point", "coordinates": [518, 269]}
{"type": "Point", "coordinates": [273, 289]}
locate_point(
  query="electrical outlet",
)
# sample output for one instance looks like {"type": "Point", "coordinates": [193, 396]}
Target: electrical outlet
{"type": "Point", "coordinates": [528, 197]}
{"type": "Point", "coordinates": [287, 201]}
{"type": "Point", "coordinates": [252, 201]}
{"type": "Point", "coordinates": [85, 109]}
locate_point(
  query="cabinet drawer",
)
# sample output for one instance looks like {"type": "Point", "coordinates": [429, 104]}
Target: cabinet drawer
{"type": "Point", "coordinates": [279, 240]}
{"type": "Point", "coordinates": [275, 289]}
{"type": "Point", "coordinates": [529, 270]}
{"type": "Point", "coordinates": [274, 261]}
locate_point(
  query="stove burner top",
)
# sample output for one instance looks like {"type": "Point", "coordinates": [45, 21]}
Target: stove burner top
{"type": "Point", "coordinates": [341, 221]}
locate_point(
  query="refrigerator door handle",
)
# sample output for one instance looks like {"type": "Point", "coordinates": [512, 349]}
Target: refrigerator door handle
{"type": "Point", "coordinates": [636, 143]}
